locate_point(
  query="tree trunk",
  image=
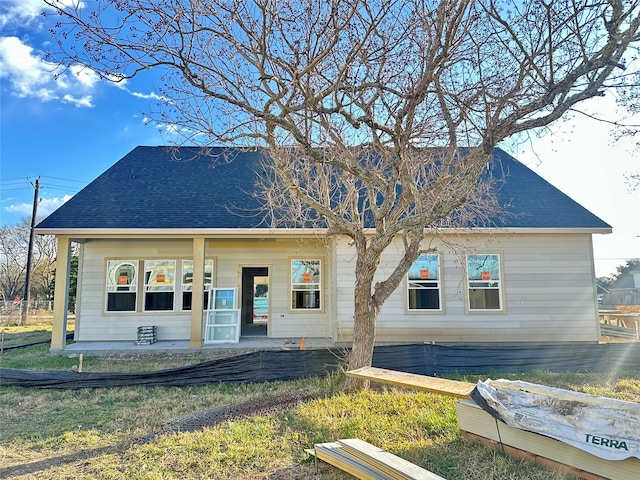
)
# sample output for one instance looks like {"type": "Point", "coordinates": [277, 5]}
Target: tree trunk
{"type": "Point", "coordinates": [365, 317]}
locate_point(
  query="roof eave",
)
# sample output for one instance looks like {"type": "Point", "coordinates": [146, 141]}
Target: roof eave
{"type": "Point", "coordinates": [285, 232]}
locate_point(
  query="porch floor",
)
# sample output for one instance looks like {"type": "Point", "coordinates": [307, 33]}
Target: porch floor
{"type": "Point", "coordinates": [182, 346]}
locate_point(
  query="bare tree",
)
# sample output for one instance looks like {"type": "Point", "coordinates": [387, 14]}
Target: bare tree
{"type": "Point", "coordinates": [362, 106]}
{"type": "Point", "coordinates": [45, 252]}
{"type": "Point", "coordinates": [13, 261]}
{"type": "Point", "coordinates": [14, 242]}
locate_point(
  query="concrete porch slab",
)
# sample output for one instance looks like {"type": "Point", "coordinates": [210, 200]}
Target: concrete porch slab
{"type": "Point", "coordinates": [182, 346]}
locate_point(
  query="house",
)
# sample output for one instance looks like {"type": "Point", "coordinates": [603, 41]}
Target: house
{"type": "Point", "coordinates": [162, 240]}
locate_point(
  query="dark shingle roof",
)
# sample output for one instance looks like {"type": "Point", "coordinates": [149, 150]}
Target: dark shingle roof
{"type": "Point", "coordinates": [148, 189]}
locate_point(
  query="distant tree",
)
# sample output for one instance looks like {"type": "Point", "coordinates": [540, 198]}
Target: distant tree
{"type": "Point", "coordinates": [346, 95]}
{"type": "Point", "coordinates": [622, 270]}
{"type": "Point", "coordinates": [262, 290]}
{"type": "Point", "coordinates": [73, 278]}
{"type": "Point", "coordinates": [14, 245]}
{"type": "Point", "coordinates": [45, 252]}
{"type": "Point", "coordinates": [13, 256]}
{"type": "Point", "coordinates": [605, 281]}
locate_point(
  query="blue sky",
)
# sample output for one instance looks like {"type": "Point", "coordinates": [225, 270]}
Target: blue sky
{"type": "Point", "coordinates": [68, 131]}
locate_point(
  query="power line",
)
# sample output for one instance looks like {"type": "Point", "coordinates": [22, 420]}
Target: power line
{"type": "Point", "coordinates": [19, 180]}
{"type": "Point", "coordinates": [64, 179]}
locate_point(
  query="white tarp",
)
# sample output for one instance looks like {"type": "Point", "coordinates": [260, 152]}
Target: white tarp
{"type": "Point", "coordinates": [601, 426]}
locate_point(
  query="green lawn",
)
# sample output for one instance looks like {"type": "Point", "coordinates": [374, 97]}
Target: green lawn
{"type": "Point", "coordinates": [131, 433]}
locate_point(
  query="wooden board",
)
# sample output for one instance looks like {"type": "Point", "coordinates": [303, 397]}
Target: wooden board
{"type": "Point", "coordinates": [474, 420]}
{"type": "Point", "coordinates": [368, 462]}
{"type": "Point", "coordinates": [388, 463]}
{"type": "Point", "coordinates": [333, 454]}
{"type": "Point", "coordinates": [422, 383]}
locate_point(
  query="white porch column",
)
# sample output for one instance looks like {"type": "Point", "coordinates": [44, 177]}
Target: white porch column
{"type": "Point", "coordinates": [61, 295]}
{"type": "Point", "coordinates": [197, 297]}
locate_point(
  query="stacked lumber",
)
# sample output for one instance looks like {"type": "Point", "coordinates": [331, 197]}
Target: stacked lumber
{"type": "Point", "coordinates": [368, 462]}
{"type": "Point", "coordinates": [480, 426]}
{"type": "Point", "coordinates": [476, 424]}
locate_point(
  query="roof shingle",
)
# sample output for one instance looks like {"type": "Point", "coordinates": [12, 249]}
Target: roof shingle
{"type": "Point", "coordinates": [149, 189]}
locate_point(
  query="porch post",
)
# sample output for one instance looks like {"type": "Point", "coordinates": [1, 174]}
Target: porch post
{"type": "Point", "coordinates": [197, 297]}
{"type": "Point", "coordinates": [61, 295]}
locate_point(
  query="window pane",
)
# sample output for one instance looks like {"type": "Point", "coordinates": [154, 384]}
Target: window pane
{"type": "Point", "coordinates": [187, 274]}
{"type": "Point", "coordinates": [424, 299]}
{"type": "Point", "coordinates": [187, 282]}
{"type": "Point", "coordinates": [427, 266]}
{"type": "Point", "coordinates": [306, 299]}
{"type": "Point", "coordinates": [121, 275]}
{"type": "Point", "coordinates": [484, 299]}
{"type": "Point", "coordinates": [121, 302]}
{"type": "Point", "coordinates": [159, 284]}
{"type": "Point", "coordinates": [305, 284]}
{"type": "Point", "coordinates": [483, 282]}
{"type": "Point", "coordinates": [423, 283]}
{"type": "Point", "coordinates": [305, 271]}
{"type": "Point", "coordinates": [186, 300]}
{"type": "Point", "coordinates": [483, 267]}
{"type": "Point", "coordinates": [122, 284]}
{"type": "Point", "coordinates": [159, 272]}
{"type": "Point", "coordinates": [158, 301]}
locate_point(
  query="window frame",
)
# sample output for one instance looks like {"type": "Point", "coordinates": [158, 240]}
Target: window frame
{"type": "Point", "coordinates": [116, 288]}
{"type": "Point", "coordinates": [489, 284]}
{"type": "Point", "coordinates": [165, 288]}
{"type": "Point", "coordinates": [413, 283]}
{"type": "Point", "coordinates": [296, 291]}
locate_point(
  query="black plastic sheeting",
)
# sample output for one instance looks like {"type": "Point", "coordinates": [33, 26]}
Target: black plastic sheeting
{"type": "Point", "coordinates": [423, 359]}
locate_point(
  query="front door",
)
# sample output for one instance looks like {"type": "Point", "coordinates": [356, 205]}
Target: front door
{"type": "Point", "coordinates": [255, 301]}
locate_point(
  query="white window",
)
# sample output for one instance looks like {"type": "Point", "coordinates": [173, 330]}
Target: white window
{"type": "Point", "coordinates": [187, 283]}
{"type": "Point", "coordinates": [423, 283]}
{"type": "Point", "coordinates": [122, 283]}
{"type": "Point", "coordinates": [305, 284]}
{"type": "Point", "coordinates": [484, 286]}
{"type": "Point", "coordinates": [159, 285]}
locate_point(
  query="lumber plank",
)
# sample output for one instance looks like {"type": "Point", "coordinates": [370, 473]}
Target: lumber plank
{"type": "Point", "coordinates": [333, 454]}
{"type": "Point", "coordinates": [395, 467]}
{"type": "Point", "coordinates": [452, 388]}
{"type": "Point", "coordinates": [474, 420]}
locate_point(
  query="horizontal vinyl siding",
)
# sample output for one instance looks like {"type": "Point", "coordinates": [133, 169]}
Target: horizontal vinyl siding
{"type": "Point", "coordinates": [547, 283]}
{"type": "Point", "coordinates": [94, 324]}
{"type": "Point", "coordinates": [284, 323]}
{"type": "Point", "coordinates": [97, 325]}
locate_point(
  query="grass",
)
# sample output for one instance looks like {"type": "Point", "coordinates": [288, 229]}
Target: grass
{"type": "Point", "coordinates": [37, 330]}
{"type": "Point", "coordinates": [121, 433]}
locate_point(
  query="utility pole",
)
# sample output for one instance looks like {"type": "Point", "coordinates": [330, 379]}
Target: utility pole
{"type": "Point", "coordinates": [27, 283]}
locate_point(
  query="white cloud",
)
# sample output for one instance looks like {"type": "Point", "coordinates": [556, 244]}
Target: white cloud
{"type": "Point", "coordinates": [24, 12]}
{"type": "Point", "coordinates": [45, 206]}
{"type": "Point", "coordinates": [86, 77]}
{"type": "Point", "coordinates": [78, 102]}
{"type": "Point", "coordinates": [148, 96]}
{"type": "Point", "coordinates": [30, 76]}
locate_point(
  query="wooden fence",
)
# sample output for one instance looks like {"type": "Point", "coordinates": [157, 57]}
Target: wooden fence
{"type": "Point", "coordinates": [623, 296]}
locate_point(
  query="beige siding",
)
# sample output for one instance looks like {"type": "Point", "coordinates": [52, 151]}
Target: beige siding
{"type": "Point", "coordinates": [97, 325]}
{"type": "Point", "coordinates": [232, 256]}
{"type": "Point", "coordinates": [548, 290]}
{"type": "Point", "coordinates": [94, 324]}
{"type": "Point", "coordinates": [548, 293]}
